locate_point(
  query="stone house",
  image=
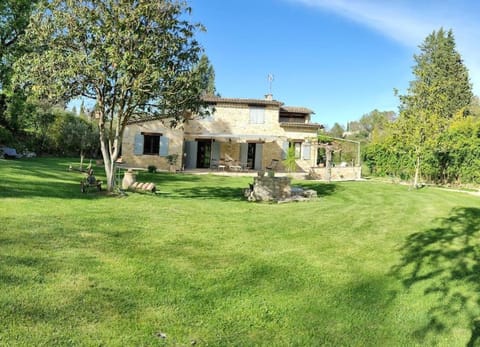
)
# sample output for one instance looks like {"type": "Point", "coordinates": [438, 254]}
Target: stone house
{"type": "Point", "coordinates": [241, 134]}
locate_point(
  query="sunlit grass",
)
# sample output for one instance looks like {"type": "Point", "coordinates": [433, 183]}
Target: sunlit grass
{"type": "Point", "coordinates": [197, 262]}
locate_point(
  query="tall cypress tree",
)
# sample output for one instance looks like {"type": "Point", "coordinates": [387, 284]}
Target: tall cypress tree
{"type": "Point", "coordinates": [441, 85]}
{"type": "Point", "coordinates": [440, 90]}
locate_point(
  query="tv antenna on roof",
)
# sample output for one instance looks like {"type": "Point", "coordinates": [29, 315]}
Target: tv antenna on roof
{"type": "Point", "coordinates": [270, 79]}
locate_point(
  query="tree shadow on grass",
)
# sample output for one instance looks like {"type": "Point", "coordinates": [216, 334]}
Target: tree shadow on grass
{"type": "Point", "coordinates": [322, 189]}
{"type": "Point", "coordinates": [181, 185]}
{"type": "Point", "coordinates": [61, 186]}
{"type": "Point", "coordinates": [205, 192]}
{"type": "Point", "coordinates": [45, 177]}
{"type": "Point", "coordinates": [163, 178]}
{"type": "Point", "coordinates": [445, 262]}
{"type": "Point", "coordinates": [228, 191]}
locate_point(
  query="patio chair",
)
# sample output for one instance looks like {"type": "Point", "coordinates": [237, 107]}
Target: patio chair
{"type": "Point", "coordinates": [221, 165]}
{"type": "Point", "coordinates": [235, 166]}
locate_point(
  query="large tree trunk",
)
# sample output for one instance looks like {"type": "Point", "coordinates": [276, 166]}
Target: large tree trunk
{"type": "Point", "coordinates": [110, 152]}
{"type": "Point", "coordinates": [109, 163]}
{"type": "Point", "coordinates": [110, 146]}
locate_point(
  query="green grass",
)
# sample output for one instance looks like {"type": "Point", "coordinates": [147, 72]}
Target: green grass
{"type": "Point", "coordinates": [368, 264]}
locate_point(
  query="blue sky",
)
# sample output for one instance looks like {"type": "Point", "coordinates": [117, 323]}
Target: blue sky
{"type": "Point", "coordinates": [341, 58]}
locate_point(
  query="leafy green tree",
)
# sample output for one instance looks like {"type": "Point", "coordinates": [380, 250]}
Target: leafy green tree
{"type": "Point", "coordinates": [419, 133]}
{"type": "Point", "coordinates": [43, 120]}
{"type": "Point", "coordinates": [135, 59]}
{"type": "Point", "coordinates": [375, 123]}
{"type": "Point", "coordinates": [458, 156]}
{"type": "Point", "coordinates": [336, 131]}
{"type": "Point", "coordinates": [14, 115]}
{"type": "Point", "coordinates": [440, 89]}
{"type": "Point", "coordinates": [370, 126]}
{"type": "Point", "coordinates": [14, 17]}
{"type": "Point", "coordinates": [74, 135]}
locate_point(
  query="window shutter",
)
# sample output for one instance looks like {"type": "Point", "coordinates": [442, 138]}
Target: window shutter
{"type": "Point", "coordinates": [138, 144]}
{"type": "Point", "coordinates": [306, 151]}
{"type": "Point", "coordinates": [164, 141]}
{"type": "Point", "coordinates": [257, 115]}
{"type": "Point", "coordinates": [243, 153]}
{"type": "Point", "coordinates": [258, 156]}
{"type": "Point", "coordinates": [285, 146]}
{"type": "Point", "coordinates": [216, 150]}
{"type": "Point", "coordinates": [191, 154]}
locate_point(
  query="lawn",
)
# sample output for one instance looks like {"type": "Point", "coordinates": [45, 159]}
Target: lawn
{"type": "Point", "coordinates": [367, 264]}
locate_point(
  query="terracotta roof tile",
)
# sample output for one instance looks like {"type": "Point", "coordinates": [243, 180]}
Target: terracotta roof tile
{"type": "Point", "coordinates": [301, 125]}
{"type": "Point", "coordinates": [296, 109]}
{"type": "Point", "coordinates": [219, 100]}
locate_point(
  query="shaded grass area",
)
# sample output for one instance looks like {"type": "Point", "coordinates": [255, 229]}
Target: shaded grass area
{"type": "Point", "coordinates": [365, 264]}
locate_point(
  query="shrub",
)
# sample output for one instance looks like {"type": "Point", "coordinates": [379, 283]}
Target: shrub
{"type": "Point", "coordinates": [6, 136]}
{"type": "Point", "coordinates": [152, 168]}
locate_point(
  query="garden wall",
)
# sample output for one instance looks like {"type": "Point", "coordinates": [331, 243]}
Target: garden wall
{"type": "Point", "coordinates": [338, 173]}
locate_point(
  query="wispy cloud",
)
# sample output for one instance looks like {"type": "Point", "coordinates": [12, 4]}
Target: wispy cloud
{"type": "Point", "coordinates": [409, 22]}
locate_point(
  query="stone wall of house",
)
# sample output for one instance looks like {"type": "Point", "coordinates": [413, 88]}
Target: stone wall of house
{"type": "Point", "coordinates": [235, 119]}
{"type": "Point", "coordinates": [272, 150]}
{"type": "Point", "coordinates": [229, 149]}
{"type": "Point", "coordinates": [175, 145]}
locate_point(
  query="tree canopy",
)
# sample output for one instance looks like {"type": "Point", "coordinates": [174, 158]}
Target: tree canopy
{"type": "Point", "coordinates": [14, 18]}
{"type": "Point", "coordinates": [336, 130]}
{"type": "Point", "coordinates": [136, 59]}
{"type": "Point", "coordinates": [370, 126]}
{"type": "Point", "coordinates": [441, 85]}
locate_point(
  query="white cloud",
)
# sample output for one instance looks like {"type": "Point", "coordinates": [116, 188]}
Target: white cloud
{"type": "Point", "coordinates": [409, 22]}
{"type": "Point", "coordinates": [384, 17]}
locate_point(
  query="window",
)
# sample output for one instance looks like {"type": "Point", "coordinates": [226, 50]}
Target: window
{"type": "Point", "coordinates": [151, 143]}
{"type": "Point", "coordinates": [257, 115]}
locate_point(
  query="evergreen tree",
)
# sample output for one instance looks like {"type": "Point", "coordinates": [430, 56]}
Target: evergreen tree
{"type": "Point", "coordinates": [208, 75]}
{"type": "Point", "coordinates": [440, 89]}
{"type": "Point", "coordinates": [441, 84]}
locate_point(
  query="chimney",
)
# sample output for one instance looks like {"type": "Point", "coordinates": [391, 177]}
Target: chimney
{"type": "Point", "coordinates": [269, 97]}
